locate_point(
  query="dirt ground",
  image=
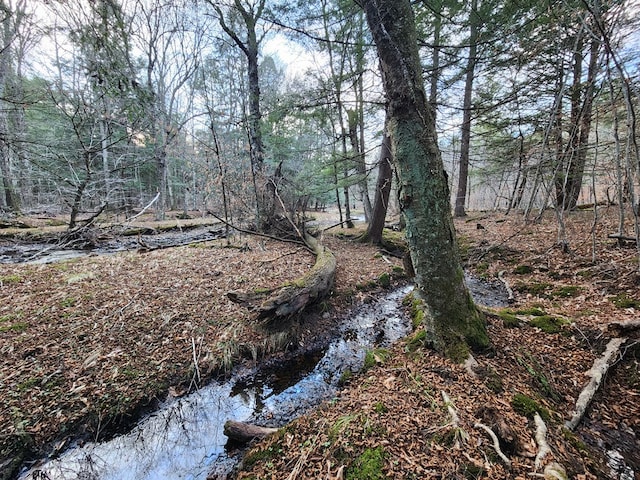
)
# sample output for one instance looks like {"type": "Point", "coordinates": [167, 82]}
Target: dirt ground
{"type": "Point", "coordinates": [90, 344]}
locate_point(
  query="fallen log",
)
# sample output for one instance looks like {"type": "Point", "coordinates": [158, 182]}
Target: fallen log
{"type": "Point", "coordinates": [597, 373]}
{"type": "Point", "coordinates": [622, 238]}
{"type": "Point", "coordinates": [245, 432]}
{"type": "Point", "coordinates": [625, 327]}
{"type": "Point", "coordinates": [290, 299]}
{"type": "Point", "coordinates": [13, 224]}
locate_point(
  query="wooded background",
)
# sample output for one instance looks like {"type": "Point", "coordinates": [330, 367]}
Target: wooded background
{"type": "Point", "coordinates": [112, 104]}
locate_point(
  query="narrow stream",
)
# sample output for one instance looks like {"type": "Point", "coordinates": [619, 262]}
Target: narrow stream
{"type": "Point", "coordinates": [184, 439]}
{"type": "Point", "coordinates": [27, 252]}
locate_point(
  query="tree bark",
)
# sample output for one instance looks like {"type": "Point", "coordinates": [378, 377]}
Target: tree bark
{"type": "Point", "coordinates": [465, 140]}
{"type": "Point", "coordinates": [383, 191]}
{"type": "Point", "coordinates": [451, 318]}
{"type": "Point", "coordinates": [245, 432]}
{"type": "Point", "coordinates": [357, 147]}
{"type": "Point", "coordinates": [576, 170]}
{"type": "Point", "coordinates": [7, 32]}
{"type": "Point", "coordinates": [265, 192]}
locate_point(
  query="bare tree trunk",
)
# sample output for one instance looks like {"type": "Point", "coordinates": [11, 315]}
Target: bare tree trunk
{"type": "Point", "coordinates": [465, 143]}
{"type": "Point", "coordinates": [618, 155]}
{"type": "Point", "coordinates": [576, 170]}
{"type": "Point", "coordinates": [11, 199]}
{"type": "Point", "coordinates": [347, 207]}
{"type": "Point", "coordinates": [383, 191]}
{"type": "Point", "coordinates": [521, 177]}
{"type": "Point", "coordinates": [435, 62]}
{"type": "Point", "coordinates": [357, 147]}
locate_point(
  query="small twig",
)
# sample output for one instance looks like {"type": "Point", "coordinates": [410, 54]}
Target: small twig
{"type": "Point", "coordinates": [130, 219]}
{"type": "Point", "coordinates": [265, 235]}
{"type": "Point", "coordinates": [496, 443]}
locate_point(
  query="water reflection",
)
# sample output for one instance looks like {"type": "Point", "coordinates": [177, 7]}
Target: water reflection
{"type": "Point", "coordinates": [181, 440]}
{"type": "Point", "coordinates": [185, 440]}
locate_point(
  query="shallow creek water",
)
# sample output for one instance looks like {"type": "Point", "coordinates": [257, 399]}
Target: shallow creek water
{"type": "Point", "coordinates": [184, 439]}
{"type": "Point", "coordinates": [29, 252]}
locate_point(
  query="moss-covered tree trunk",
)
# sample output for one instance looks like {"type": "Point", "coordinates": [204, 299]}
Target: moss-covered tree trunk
{"type": "Point", "coordinates": [451, 318]}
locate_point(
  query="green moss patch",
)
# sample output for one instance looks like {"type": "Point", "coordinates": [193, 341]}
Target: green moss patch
{"type": "Point", "coordinates": [10, 279]}
{"type": "Point", "coordinates": [527, 407]}
{"type": "Point", "coordinates": [548, 323]}
{"type": "Point", "coordinates": [509, 320]}
{"type": "Point", "coordinates": [566, 291]}
{"type": "Point", "coordinates": [368, 466]}
{"type": "Point", "coordinates": [416, 309]}
{"type": "Point", "coordinates": [624, 301]}
{"type": "Point", "coordinates": [380, 407]}
{"type": "Point", "coordinates": [537, 289]}
{"type": "Point", "coordinates": [384, 280]}
{"type": "Point", "coordinates": [264, 455]}
{"type": "Point", "coordinates": [398, 272]}
{"type": "Point", "coordinates": [16, 327]}
{"type": "Point", "coordinates": [523, 269]}
{"type": "Point", "coordinates": [369, 360]}
{"type": "Point", "coordinates": [417, 340]}
{"type": "Point", "coordinates": [533, 311]}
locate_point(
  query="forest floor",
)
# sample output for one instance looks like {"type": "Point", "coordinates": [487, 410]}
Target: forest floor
{"type": "Point", "coordinates": [392, 420]}
{"type": "Point", "coordinates": [89, 344]}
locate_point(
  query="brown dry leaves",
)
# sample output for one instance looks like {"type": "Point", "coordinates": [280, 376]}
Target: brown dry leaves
{"type": "Point", "coordinates": [398, 405]}
{"type": "Point", "coordinates": [86, 343]}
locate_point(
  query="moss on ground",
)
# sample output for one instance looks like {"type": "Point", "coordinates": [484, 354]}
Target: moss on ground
{"type": "Point", "coordinates": [566, 291]}
{"type": "Point", "coordinates": [548, 323]}
{"type": "Point", "coordinates": [523, 269]}
{"type": "Point", "coordinates": [623, 300]}
{"type": "Point", "coordinates": [384, 280]}
{"type": "Point", "coordinates": [508, 319]}
{"type": "Point", "coordinates": [527, 407]}
{"type": "Point", "coordinates": [368, 466]}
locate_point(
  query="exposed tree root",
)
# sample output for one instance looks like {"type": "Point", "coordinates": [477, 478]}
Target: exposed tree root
{"type": "Point", "coordinates": [541, 440]}
{"type": "Point", "coordinates": [597, 372]}
{"type": "Point", "coordinates": [496, 443]}
{"type": "Point", "coordinates": [504, 281]}
{"type": "Point", "coordinates": [459, 435]}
